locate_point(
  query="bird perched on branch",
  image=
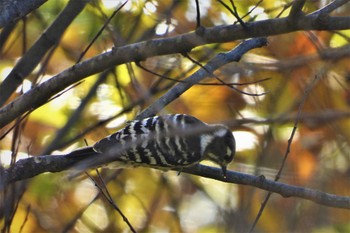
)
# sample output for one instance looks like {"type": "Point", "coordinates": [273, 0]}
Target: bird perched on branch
{"type": "Point", "coordinates": [169, 141]}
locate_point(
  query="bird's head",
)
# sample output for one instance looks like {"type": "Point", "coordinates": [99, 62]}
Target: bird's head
{"type": "Point", "coordinates": [219, 146]}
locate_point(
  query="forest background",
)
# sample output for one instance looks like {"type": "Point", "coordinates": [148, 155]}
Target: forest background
{"type": "Point", "coordinates": [276, 72]}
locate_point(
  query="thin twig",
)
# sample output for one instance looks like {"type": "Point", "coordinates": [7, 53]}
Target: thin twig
{"type": "Point", "coordinates": [105, 193]}
{"type": "Point", "coordinates": [233, 12]}
{"type": "Point", "coordinates": [142, 50]}
{"type": "Point", "coordinates": [252, 9]}
{"type": "Point", "coordinates": [56, 143]}
{"type": "Point", "coordinates": [215, 63]}
{"type": "Point", "coordinates": [222, 81]}
{"type": "Point", "coordinates": [25, 219]}
{"type": "Point", "coordinates": [68, 227]}
{"type": "Point", "coordinates": [100, 31]}
{"type": "Point", "coordinates": [290, 140]}
{"type": "Point", "coordinates": [330, 7]}
{"type": "Point", "coordinates": [33, 56]}
{"type": "Point", "coordinates": [20, 119]}
{"type": "Point", "coordinates": [198, 17]}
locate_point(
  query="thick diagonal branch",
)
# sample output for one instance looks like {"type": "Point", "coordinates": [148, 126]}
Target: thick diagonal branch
{"type": "Point", "coordinates": [178, 44]}
{"type": "Point", "coordinates": [215, 63]}
{"type": "Point", "coordinates": [33, 56]}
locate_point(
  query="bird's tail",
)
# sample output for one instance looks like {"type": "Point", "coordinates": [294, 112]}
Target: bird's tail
{"type": "Point", "coordinates": [82, 153]}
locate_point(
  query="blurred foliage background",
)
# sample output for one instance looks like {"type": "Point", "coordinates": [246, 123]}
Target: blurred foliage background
{"type": "Point", "coordinates": [154, 201]}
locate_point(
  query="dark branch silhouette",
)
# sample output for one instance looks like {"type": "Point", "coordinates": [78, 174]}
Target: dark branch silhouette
{"type": "Point", "coordinates": [13, 10]}
{"type": "Point", "coordinates": [178, 44]}
{"type": "Point", "coordinates": [33, 56]}
{"type": "Point", "coordinates": [30, 167]}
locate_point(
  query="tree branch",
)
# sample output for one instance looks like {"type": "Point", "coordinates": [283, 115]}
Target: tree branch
{"type": "Point", "coordinates": [33, 56]}
{"type": "Point", "coordinates": [11, 10]}
{"type": "Point", "coordinates": [143, 50]}
{"type": "Point", "coordinates": [33, 166]}
{"type": "Point", "coordinates": [330, 7]}
{"type": "Point", "coordinates": [261, 182]}
{"type": "Point", "coordinates": [296, 10]}
{"type": "Point", "coordinates": [215, 63]}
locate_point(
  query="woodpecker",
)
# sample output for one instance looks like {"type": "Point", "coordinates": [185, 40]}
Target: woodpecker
{"type": "Point", "coordinates": [169, 141]}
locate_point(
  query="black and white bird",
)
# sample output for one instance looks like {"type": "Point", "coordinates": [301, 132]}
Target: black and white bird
{"type": "Point", "coordinates": [169, 141]}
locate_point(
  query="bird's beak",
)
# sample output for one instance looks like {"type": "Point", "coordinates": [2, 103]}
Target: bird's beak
{"type": "Point", "coordinates": [224, 169]}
